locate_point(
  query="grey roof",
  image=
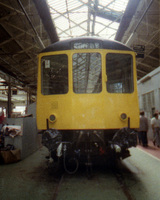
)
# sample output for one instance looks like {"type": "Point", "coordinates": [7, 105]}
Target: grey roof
{"type": "Point", "coordinates": [103, 44]}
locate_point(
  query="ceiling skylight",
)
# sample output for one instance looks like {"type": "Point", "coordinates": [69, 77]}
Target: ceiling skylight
{"type": "Point", "coordinates": [75, 18]}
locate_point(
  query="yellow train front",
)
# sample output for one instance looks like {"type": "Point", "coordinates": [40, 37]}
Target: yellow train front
{"type": "Point", "coordinates": [87, 103]}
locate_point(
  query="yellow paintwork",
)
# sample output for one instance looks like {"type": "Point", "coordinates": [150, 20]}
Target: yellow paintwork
{"type": "Point", "coordinates": [87, 111]}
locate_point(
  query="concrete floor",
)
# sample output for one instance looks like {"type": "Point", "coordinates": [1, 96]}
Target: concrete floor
{"type": "Point", "coordinates": [145, 168]}
{"type": "Point", "coordinates": [26, 179]}
{"type": "Point", "coordinates": [151, 149]}
{"type": "Point", "coordinates": [29, 180]}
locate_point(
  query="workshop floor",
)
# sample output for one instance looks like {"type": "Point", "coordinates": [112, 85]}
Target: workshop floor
{"type": "Point", "coordinates": [151, 149]}
{"type": "Point", "coordinates": [29, 179]}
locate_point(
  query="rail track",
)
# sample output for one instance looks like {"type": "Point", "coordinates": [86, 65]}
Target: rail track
{"type": "Point", "coordinates": [98, 186]}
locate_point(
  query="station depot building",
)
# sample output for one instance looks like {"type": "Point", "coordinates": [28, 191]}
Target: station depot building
{"type": "Point", "coordinates": [74, 76]}
{"type": "Point", "coordinates": [149, 95]}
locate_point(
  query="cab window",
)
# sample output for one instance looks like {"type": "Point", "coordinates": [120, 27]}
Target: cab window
{"type": "Point", "coordinates": [87, 76]}
{"type": "Point", "coordinates": [54, 71]}
{"type": "Point", "coordinates": [119, 69]}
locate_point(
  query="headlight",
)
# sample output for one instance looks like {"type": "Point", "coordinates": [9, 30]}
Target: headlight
{"type": "Point", "coordinates": [52, 118]}
{"type": "Point", "coordinates": [123, 116]}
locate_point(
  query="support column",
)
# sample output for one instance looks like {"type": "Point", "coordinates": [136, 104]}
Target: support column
{"type": "Point", "coordinates": [9, 104]}
{"type": "Point", "coordinates": [28, 97]}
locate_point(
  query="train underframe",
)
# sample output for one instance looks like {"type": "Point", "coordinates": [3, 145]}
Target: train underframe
{"type": "Point", "coordinates": [71, 148]}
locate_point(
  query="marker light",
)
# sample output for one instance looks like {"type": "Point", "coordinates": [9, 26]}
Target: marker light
{"type": "Point", "coordinates": [52, 118]}
{"type": "Point", "coordinates": [123, 116]}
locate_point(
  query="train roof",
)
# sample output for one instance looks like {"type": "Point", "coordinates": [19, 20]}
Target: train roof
{"type": "Point", "coordinates": [103, 44]}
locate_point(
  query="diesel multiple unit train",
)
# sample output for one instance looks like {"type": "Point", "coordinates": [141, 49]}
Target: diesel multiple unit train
{"type": "Point", "coordinates": [87, 102]}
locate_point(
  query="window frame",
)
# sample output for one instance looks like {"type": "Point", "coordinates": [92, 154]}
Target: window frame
{"type": "Point", "coordinates": [132, 71]}
{"type": "Point", "coordinates": [91, 51]}
{"type": "Point", "coordinates": [41, 73]}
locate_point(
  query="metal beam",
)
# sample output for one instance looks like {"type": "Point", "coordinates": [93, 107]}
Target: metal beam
{"type": "Point", "coordinates": [19, 44]}
{"type": "Point", "coordinates": [30, 22]}
{"type": "Point", "coordinates": [10, 73]}
{"type": "Point", "coordinates": [145, 65]}
{"type": "Point", "coordinates": [140, 20]}
{"type": "Point", "coordinates": [107, 26]}
{"type": "Point", "coordinates": [94, 16]}
{"type": "Point", "coordinates": [89, 17]}
{"type": "Point", "coordinates": [141, 71]}
{"type": "Point", "coordinates": [153, 58]}
{"type": "Point", "coordinates": [107, 15]}
{"type": "Point", "coordinates": [8, 16]}
{"type": "Point", "coordinates": [11, 8]}
{"type": "Point", "coordinates": [18, 74]}
{"type": "Point", "coordinates": [149, 52]}
{"type": "Point", "coordinates": [126, 19]}
{"type": "Point", "coordinates": [70, 20]}
{"type": "Point", "coordinates": [20, 29]}
{"type": "Point", "coordinates": [21, 34]}
{"type": "Point", "coordinates": [11, 39]}
{"type": "Point", "coordinates": [44, 13]}
{"type": "Point", "coordinates": [146, 42]}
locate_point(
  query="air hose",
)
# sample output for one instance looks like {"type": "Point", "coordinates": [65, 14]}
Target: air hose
{"type": "Point", "coordinates": [71, 159]}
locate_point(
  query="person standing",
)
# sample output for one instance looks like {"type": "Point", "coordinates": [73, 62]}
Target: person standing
{"type": "Point", "coordinates": [143, 129]}
{"type": "Point", "coordinates": [155, 122]}
{"type": "Point", "coordinates": [1, 119]}
{"type": "Point", "coordinates": [159, 116]}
